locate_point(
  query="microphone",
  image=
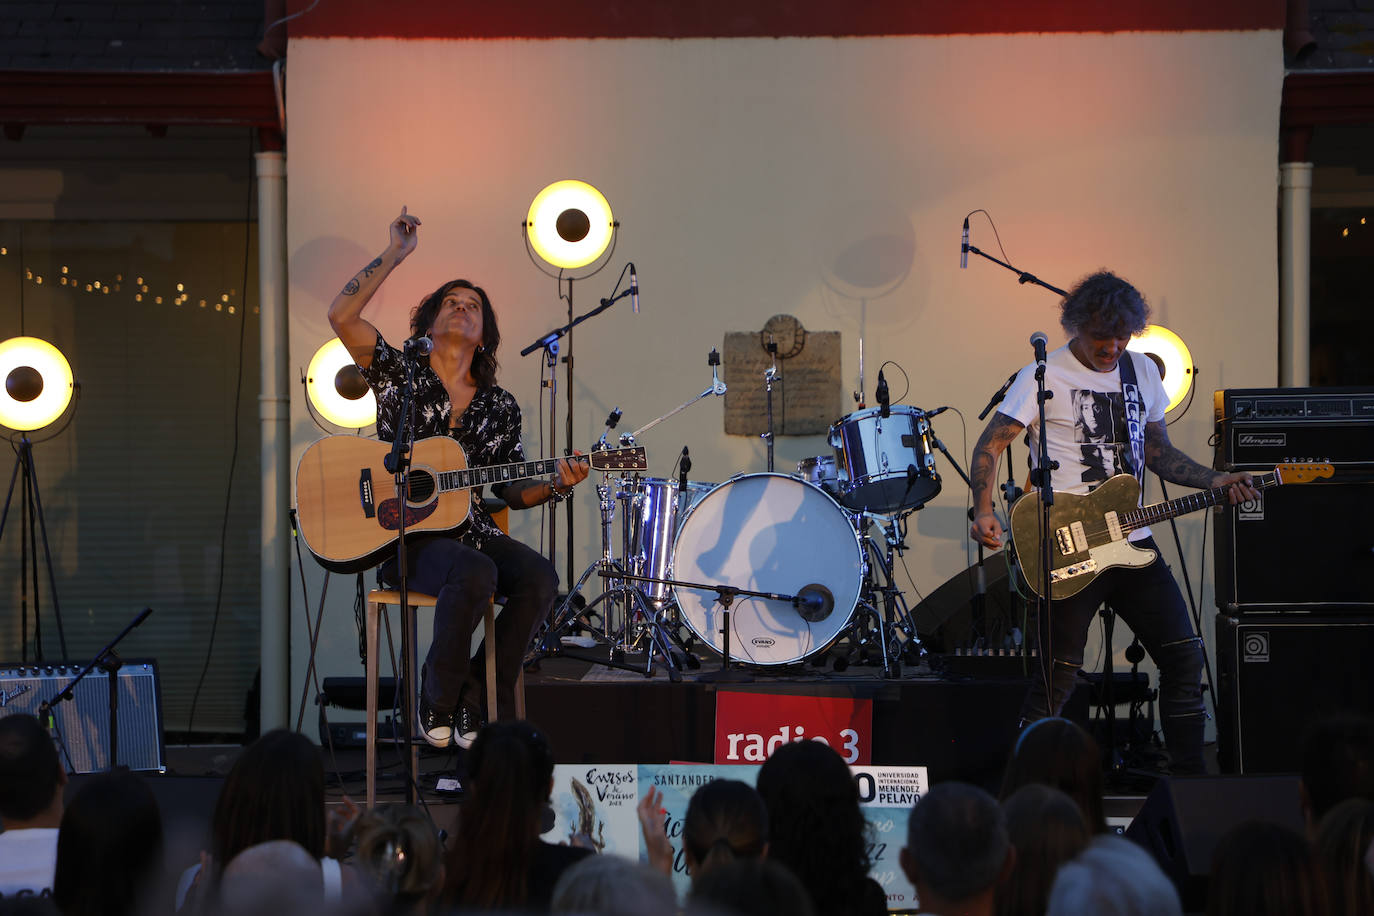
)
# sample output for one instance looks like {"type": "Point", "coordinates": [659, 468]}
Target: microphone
{"type": "Point", "coordinates": [421, 346]}
{"type": "Point", "coordinates": [936, 412]}
{"type": "Point", "coordinates": [963, 247]}
{"type": "Point", "coordinates": [634, 290]}
{"type": "Point", "coordinates": [1038, 340]}
{"type": "Point", "coordinates": [684, 465]}
{"type": "Point", "coordinates": [884, 410]}
{"type": "Point", "coordinates": [814, 602]}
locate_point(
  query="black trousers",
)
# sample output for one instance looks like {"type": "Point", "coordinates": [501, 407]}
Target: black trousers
{"type": "Point", "coordinates": [463, 579]}
{"type": "Point", "coordinates": [1149, 601]}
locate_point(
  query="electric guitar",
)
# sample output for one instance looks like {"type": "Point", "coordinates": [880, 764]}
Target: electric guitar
{"type": "Point", "coordinates": [1088, 533]}
{"type": "Point", "coordinates": [349, 526]}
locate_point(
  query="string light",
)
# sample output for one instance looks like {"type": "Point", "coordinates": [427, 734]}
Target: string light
{"type": "Point", "coordinates": [142, 288]}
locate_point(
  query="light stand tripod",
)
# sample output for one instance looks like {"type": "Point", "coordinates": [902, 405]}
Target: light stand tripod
{"type": "Point", "coordinates": [31, 515]}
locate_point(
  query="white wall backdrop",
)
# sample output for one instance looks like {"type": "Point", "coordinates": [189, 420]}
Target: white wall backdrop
{"type": "Point", "coordinates": [757, 177]}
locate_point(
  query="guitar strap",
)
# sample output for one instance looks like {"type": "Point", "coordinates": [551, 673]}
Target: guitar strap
{"type": "Point", "coordinates": [1135, 416]}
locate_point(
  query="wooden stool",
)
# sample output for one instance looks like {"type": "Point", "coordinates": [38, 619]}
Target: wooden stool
{"type": "Point", "coordinates": [377, 602]}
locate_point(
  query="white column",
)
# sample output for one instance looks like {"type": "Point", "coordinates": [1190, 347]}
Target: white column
{"type": "Point", "coordinates": [274, 416]}
{"type": "Point", "coordinates": [1295, 273]}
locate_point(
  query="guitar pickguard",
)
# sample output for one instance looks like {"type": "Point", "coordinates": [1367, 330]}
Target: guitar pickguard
{"type": "Point", "coordinates": [389, 514]}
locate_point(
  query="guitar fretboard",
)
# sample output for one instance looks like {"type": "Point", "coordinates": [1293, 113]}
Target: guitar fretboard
{"type": "Point", "coordinates": [497, 473]}
{"type": "Point", "coordinates": [1159, 512]}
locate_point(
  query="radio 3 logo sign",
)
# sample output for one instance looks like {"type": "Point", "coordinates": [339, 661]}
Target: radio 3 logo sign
{"type": "Point", "coordinates": [1254, 647]}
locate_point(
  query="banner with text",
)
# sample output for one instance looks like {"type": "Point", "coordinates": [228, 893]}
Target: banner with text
{"type": "Point", "coordinates": [594, 805]}
{"type": "Point", "coordinates": [750, 726]}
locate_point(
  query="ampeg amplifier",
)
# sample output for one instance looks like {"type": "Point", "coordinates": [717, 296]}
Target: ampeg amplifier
{"type": "Point", "coordinates": [1278, 673]}
{"type": "Point", "coordinates": [82, 724]}
{"type": "Point", "coordinates": [1297, 548]}
{"type": "Point", "coordinates": [1258, 428]}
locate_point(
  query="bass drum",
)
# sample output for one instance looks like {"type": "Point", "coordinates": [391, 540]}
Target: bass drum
{"type": "Point", "coordinates": [767, 533]}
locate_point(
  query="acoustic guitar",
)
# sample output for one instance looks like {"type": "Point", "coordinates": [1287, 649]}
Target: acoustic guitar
{"type": "Point", "coordinates": [348, 512]}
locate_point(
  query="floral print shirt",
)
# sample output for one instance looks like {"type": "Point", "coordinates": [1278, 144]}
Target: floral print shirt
{"type": "Point", "coordinates": [488, 430]}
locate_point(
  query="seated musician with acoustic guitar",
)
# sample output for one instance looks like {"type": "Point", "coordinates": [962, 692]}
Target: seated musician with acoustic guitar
{"type": "Point", "coordinates": [1091, 380]}
{"type": "Point", "coordinates": [456, 395]}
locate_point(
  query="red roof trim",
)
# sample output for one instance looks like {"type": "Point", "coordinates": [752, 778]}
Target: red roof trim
{"type": "Point", "coordinates": [768, 18]}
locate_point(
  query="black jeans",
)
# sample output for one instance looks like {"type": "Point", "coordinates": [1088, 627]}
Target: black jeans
{"type": "Point", "coordinates": [1149, 601]}
{"type": "Point", "coordinates": [462, 580]}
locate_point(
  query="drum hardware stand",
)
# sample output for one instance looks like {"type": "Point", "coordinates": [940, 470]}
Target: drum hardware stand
{"type": "Point", "coordinates": [631, 598]}
{"type": "Point", "coordinates": [770, 375]}
{"type": "Point", "coordinates": [896, 629]}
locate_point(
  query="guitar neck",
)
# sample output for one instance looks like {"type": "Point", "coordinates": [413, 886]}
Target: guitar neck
{"type": "Point", "coordinates": [468, 478]}
{"type": "Point", "coordinates": [1159, 512]}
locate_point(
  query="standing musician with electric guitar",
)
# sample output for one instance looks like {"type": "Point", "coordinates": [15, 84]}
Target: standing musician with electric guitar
{"type": "Point", "coordinates": [456, 395]}
{"type": "Point", "coordinates": [1106, 417]}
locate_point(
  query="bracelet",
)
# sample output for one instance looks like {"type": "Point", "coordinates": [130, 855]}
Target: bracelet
{"type": "Point", "coordinates": [558, 495]}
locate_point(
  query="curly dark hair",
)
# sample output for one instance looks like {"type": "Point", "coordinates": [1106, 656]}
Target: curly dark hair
{"type": "Point", "coordinates": [1104, 302]}
{"type": "Point", "coordinates": [815, 824]}
{"type": "Point", "coordinates": [484, 364]}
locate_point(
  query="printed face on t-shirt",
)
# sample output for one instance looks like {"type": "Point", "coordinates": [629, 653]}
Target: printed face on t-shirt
{"type": "Point", "coordinates": [1099, 426]}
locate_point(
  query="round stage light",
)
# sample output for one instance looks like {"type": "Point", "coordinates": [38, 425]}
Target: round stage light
{"type": "Point", "coordinates": [1171, 355]}
{"type": "Point", "coordinates": [569, 224]}
{"type": "Point", "coordinates": [38, 383]}
{"type": "Point", "coordinates": [337, 388]}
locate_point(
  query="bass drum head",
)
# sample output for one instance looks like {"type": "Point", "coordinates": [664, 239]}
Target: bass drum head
{"type": "Point", "coordinates": [768, 533]}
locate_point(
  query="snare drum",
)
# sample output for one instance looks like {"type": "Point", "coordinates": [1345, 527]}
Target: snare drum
{"type": "Point", "coordinates": [886, 464]}
{"type": "Point", "coordinates": [767, 533]}
{"type": "Point", "coordinates": [655, 514]}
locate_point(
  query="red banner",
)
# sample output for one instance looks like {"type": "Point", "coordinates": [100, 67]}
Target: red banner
{"type": "Point", "coordinates": [750, 726]}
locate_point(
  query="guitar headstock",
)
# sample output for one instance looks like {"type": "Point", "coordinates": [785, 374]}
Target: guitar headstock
{"type": "Point", "coordinates": [1303, 472]}
{"type": "Point", "coordinates": [620, 459]}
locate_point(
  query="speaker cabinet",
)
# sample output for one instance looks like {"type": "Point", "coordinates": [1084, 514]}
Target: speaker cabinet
{"type": "Point", "coordinates": [1300, 547]}
{"type": "Point", "coordinates": [1183, 817]}
{"type": "Point", "coordinates": [82, 724]}
{"type": "Point", "coordinates": [1278, 672]}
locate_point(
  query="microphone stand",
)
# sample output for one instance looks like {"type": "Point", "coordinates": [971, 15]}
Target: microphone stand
{"type": "Point", "coordinates": [549, 343]}
{"type": "Point", "coordinates": [110, 663]}
{"type": "Point", "coordinates": [725, 596]}
{"type": "Point", "coordinates": [1021, 275]}
{"type": "Point", "coordinates": [1041, 478]}
{"type": "Point", "coordinates": [398, 463]}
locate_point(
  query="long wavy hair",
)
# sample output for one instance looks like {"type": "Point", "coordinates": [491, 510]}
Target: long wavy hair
{"type": "Point", "coordinates": [815, 825]}
{"type": "Point", "coordinates": [511, 767]}
{"type": "Point", "coordinates": [484, 364]}
{"type": "Point", "coordinates": [1104, 302]}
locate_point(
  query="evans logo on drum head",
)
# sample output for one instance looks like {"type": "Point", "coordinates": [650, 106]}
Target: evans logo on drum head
{"type": "Point", "coordinates": [763, 642]}
{"type": "Point", "coordinates": [1262, 440]}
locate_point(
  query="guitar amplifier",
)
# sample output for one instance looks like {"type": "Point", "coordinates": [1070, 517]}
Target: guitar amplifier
{"type": "Point", "coordinates": [1300, 548]}
{"type": "Point", "coordinates": [1277, 673]}
{"type": "Point", "coordinates": [82, 724]}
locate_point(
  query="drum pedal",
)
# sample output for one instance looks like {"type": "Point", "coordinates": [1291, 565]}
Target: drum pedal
{"type": "Point", "coordinates": [580, 642]}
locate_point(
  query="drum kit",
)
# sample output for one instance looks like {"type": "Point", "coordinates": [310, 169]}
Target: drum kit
{"type": "Point", "coordinates": [766, 569]}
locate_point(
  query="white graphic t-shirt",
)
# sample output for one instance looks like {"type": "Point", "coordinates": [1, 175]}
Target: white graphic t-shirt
{"type": "Point", "coordinates": [1087, 418]}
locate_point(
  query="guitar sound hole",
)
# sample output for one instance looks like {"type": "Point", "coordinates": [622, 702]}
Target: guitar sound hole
{"type": "Point", "coordinates": [421, 486]}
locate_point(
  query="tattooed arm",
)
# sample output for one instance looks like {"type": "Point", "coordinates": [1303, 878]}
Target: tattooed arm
{"type": "Point", "coordinates": [1162, 457]}
{"type": "Point", "coordinates": [346, 311]}
{"type": "Point", "coordinates": [1000, 432]}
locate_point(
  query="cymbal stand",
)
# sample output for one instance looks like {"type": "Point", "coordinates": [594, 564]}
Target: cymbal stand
{"type": "Point", "coordinates": [770, 375]}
